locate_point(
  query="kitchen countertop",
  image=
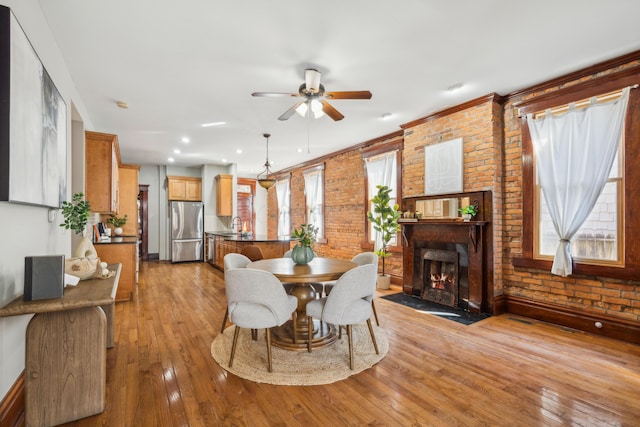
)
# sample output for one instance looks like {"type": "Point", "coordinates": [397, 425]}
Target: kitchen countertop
{"type": "Point", "coordinates": [115, 240]}
{"type": "Point", "coordinates": [237, 238]}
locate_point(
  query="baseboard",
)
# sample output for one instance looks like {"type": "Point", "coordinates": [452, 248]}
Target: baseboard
{"type": "Point", "coordinates": [12, 406]}
{"type": "Point", "coordinates": [611, 327]}
{"type": "Point", "coordinates": [154, 257]}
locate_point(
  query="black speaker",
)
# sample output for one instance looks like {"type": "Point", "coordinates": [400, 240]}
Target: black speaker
{"type": "Point", "coordinates": [43, 277]}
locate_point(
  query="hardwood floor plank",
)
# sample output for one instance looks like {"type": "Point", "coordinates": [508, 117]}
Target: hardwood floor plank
{"type": "Point", "coordinates": [503, 371]}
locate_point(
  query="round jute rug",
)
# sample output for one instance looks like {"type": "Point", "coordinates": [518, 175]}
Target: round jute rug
{"type": "Point", "coordinates": [321, 366]}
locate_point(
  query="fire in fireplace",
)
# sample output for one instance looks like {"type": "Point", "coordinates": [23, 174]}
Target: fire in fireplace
{"type": "Point", "coordinates": [440, 272]}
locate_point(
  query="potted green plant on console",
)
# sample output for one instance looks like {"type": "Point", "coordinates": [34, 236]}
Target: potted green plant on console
{"type": "Point", "coordinates": [76, 215]}
{"type": "Point", "coordinates": [385, 221]}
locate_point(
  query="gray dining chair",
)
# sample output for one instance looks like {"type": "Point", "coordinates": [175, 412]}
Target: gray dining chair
{"type": "Point", "coordinates": [361, 259]}
{"type": "Point", "coordinates": [257, 300]}
{"type": "Point", "coordinates": [348, 303]}
{"type": "Point", "coordinates": [232, 260]}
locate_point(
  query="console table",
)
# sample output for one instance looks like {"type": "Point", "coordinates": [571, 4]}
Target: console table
{"type": "Point", "coordinates": [66, 342]}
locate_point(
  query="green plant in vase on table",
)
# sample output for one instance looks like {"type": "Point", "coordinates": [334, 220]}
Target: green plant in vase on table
{"type": "Point", "coordinates": [117, 223]}
{"type": "Point", "coordinates": [76, 213]}
{"type": "Point", "coordinates": [384, 218]}
{"type": "Point", "coordinates": [302, 252]}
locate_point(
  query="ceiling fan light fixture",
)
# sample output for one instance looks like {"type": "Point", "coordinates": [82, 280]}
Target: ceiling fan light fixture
{"type": "Point", "coordinates": [302, 109]}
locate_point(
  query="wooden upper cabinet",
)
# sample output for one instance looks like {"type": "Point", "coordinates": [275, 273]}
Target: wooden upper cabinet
{"type": "Point", "coordinates": [224, 195]}
{"type": "Point", "coordinates": [128, 198]}
{"type": "Point", "coordinates": [102, 161]}
{"type": "Point", "coordinates": [184, 188]}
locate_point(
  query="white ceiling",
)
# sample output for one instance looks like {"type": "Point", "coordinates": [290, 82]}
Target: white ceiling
{"type": "Point", "coordinates": [178, 64]}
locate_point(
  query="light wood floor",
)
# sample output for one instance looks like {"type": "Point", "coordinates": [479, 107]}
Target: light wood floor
{"type": "Point", "coordinates": [503, 371]}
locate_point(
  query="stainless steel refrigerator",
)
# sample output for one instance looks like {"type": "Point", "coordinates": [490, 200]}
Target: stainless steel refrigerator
{"type": "Point", "coordinates": [187, 234]}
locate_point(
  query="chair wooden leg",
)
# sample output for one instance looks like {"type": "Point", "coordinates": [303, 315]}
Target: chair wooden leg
{"type": "Point", "coordinates": [233, 346]}
{"type": "Point", "coordinates": [295, 327]}
{"type": "Point", "coordinates": [375, 313]}
{"type": "Point", "coordinates": [254, 334]}
{"type": "Point", "coordinates": [350, 338]}
{"type": "Point", "coordinates": [310, 334]}
{"type": "Point", "coordinates": [373, 337]}
{"type": "Point", "coordinates": [268, 333]}
{"type": "Point", "coordinates": [224, 321]}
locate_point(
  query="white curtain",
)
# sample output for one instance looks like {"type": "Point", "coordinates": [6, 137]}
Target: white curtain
{"type": "Point", "coordinates": [574, 154]}
{"type": "Point", "coordinates": [314, 198]}
{"type": "Point", "coordinates": [381, 170]}
{"type": "Point", "coordinates": [283, 191]}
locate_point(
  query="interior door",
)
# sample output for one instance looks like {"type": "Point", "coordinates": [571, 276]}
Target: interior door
{"type": "Point", "coordinates": [244, 202]}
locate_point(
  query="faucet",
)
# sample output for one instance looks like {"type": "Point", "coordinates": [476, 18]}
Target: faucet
{"type": "Point", "coordinates": [239, 223]}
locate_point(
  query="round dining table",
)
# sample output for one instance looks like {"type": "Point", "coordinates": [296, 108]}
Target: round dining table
{"type": "Point", "coordinates": [301, 276]}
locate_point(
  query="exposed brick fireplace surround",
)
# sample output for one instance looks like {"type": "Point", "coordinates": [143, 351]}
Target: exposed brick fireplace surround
{"type": "Point", "coordinates": [449, 261]}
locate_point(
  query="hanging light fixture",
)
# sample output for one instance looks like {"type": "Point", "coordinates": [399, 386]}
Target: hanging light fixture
{"type": "Point", "coordinates": [263, 178]}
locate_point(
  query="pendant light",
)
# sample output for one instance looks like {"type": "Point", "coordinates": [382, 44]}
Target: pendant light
{"type": "Point", "coordinates": [263, 178]}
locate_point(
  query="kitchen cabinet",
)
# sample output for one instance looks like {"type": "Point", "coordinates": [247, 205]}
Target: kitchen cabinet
{"type": "Point", "coordinates": [224, 195]}
{"type": "Point", "coordinates": [184, 188]}
{"type": "Point", "coordinates": [123, 252]}
{"type": "Point", "coordinates": [102, 162]}
{"type": "Point", "coordinates": [128, 198]}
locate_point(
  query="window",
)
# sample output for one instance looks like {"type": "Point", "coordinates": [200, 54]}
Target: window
{"type": "Point", "coordinates": [283, 194]}
{"type": "Point", "coordinates": [599, 239]}
{"type": "Point", "coordinates": [606, 245]}
{"type": "Point", "coordinates": [314, 198]}
{"type": "Point", "coordinates": [382, 167]}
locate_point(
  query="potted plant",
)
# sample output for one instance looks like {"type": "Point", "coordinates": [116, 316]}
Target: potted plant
{"type": "Point", "coordinates": [117, 223]}
{"type": "Point", "coordinates": [385, 221]}
{"type": "Point", "coordinates": [76, 215]}
{"type": "Point", "coordinates": [302, 252]}
{"type": "Point", "coordinates": [468, 212]}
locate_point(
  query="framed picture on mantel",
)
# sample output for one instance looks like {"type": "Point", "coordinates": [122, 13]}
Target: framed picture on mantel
{"type": "Point", "coordinates": [33, 123]}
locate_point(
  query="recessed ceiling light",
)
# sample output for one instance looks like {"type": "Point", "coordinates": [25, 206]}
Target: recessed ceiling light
{"type": "Point", "coordinates": [299, 150]}
{"type": "Point", "coordinates": [122, 105]}
{"type": "Point", "coordinates": [207, 125]}
{"type": "Point", "coordinates": [185, 139]}
{"type": "Point", "coordinates": [455, 87]}
{"type": "Point", "coordinates": [171, 159]}
{"type": "Point", "coordinates": [176, 151]}
{"type": "Point", "coordinates": [239, 151]}
{"type": "Point", "coordinates": [224, 160]}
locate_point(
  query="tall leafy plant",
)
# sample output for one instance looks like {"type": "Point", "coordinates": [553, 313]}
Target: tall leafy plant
{"type": "Point", "coordinates": [384, 219]}
{"type": "Point", "coordinates": [76, 213]}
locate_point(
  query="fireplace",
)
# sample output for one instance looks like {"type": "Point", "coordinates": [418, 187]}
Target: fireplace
{"type": "Point", "coordinates": [448, 261]}
{"type": "Point", "coordinates": [440, 273]}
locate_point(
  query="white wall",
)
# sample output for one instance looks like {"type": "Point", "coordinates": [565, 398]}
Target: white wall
{"type": "Point", "coordinates": [25, 230]}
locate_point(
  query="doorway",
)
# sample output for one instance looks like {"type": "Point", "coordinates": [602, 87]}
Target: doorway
{"type": "Point", "coordinates": [143, 221]}
{"type": "Point", "coordinates": [245, 195]}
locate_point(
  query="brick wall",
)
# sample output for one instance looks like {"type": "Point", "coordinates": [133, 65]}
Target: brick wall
{"type": "Point", "coordinates": [492, 140]}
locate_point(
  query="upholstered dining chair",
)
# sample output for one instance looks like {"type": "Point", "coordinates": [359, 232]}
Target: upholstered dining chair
{"type": "Point", "coordinates": [361, 259]}
{"type": "Point", "coordinates": [348, 303]}
{"type": "Point", "coordinates": [232, 260]}
{"type": "Point", "coordinates": [253, 252]}
{"type": "Point", "coordinates": [256, 300]}
{"type": "Point", "coordinates": [317, 286]}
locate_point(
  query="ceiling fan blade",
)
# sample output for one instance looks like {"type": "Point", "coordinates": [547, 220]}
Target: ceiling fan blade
{"type": "Point", "coordinates": [331, 112]}
{"type": "Point", "coordinates": [312, 79]}
{"type": "Point", "coordinates": [273, 94]}
{"type": "Point", "coordinates": [287, 114]}
{"type": "Point", "coordinates": [352, 94]}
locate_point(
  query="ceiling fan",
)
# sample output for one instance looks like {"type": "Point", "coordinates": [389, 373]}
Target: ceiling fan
{"type": "Point", "coordinates": [315, 98]}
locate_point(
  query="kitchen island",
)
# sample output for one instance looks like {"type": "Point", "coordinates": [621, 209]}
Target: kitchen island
{"type": "Point", "coordinates": [220, 243]}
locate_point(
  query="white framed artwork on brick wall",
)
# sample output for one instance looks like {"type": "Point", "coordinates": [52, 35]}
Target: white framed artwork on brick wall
{"type": "Point", "coordinates": [443, 167]}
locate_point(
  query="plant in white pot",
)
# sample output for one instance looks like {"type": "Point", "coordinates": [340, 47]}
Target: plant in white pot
{"type": "Point", "coordinates": [468, 212]}
{"type": "Point", "coordinates": [385, 222]}
{"type": "Point", "coordinates": [117, 222]}
{"type": "Point", "coordinates": [76, 215]}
